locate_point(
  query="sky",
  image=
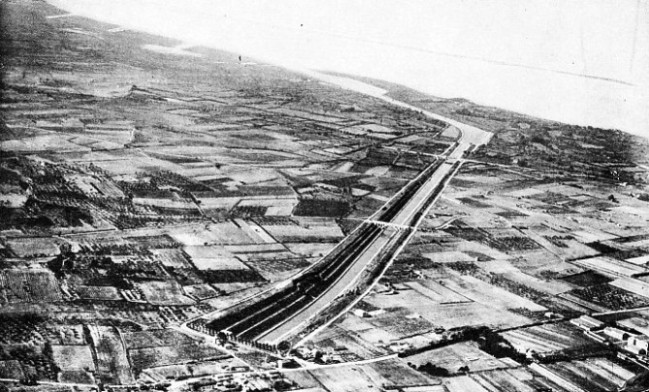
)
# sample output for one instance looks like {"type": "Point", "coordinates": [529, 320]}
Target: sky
{"type": "Point", "coordinates": [583, 62]}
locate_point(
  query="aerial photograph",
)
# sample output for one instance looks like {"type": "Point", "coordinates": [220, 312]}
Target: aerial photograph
{"type": "Point", "coordinates": [324, 195]}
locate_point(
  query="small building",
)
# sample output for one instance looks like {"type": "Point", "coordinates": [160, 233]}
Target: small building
{"type": "Point", "coordinates": [587, 323]}
{"type": "Point", "coordinates": [617, 333]}
{"type": "Point", "coordinates": [359, 312]}
{"type": "Point", "coordinates": [638, 345]}
{"type": "Point", "coordinates": [399, 347]}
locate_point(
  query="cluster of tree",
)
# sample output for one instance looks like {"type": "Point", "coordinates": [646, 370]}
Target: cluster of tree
{"type": "Point", "coordinates": [433, 370]}
{"type": "Point", "coordinates": [489, 341]}
{"type": "Point", "coordinates": [438, 371]}
{"type": "Point", "coordinates": [493, 343]}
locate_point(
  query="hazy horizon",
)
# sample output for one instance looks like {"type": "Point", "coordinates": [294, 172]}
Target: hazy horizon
{"type": "Point", "coordinates": [580, 62]}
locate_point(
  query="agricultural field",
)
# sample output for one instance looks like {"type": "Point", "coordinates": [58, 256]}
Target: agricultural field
{"type": "Point", "coordinates": [33, 247]}
{"type": "Point", "coordinates": [457, 356]}
{"type": "Point", "coordinates": [141, 199]}
{"type": "Point", "coordinates": [344, 379]}
{"type": "Point", "coordinates": [323, 231]}
{"type": "Point", "coordinates": [163, 347]}
{"type": "Point", "coordinates": [610, 297]}
{"type": "Point", "coordinates": [76, 364]}
{"type": "Point", "coordinates": [548, 339]}
{"type": "Point", "coordinates": [112, 362]}
{"type": "Point", "coordinates": [28, 286]}
{"type": "Point", "coordinates": [594, 374]}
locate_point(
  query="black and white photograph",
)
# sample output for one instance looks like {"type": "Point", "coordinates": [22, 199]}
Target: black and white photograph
{"type": "Point", "coordinates": [324, 195]}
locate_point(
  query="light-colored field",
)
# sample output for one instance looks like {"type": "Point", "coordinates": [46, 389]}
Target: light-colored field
{"type": "Point", "coordinates": [640, 324]}
{"type": "Point", "coordinates": [373, 334]}
{"type": "Point", "coordinates": [541, 260]}
{"type": "Point", "coordinates": [176, 51]}
{"type": "Point", "coordinates": [13, 200]}
{"type": "Point", "coordinates": [377, 171]}
{"type": "Point", "coordinates": [449, 315]}
{"type": "Point", "coordinates": [286, 232]}
{"type": "Point", "coordinates": [488, 295]}
{"type": "Point", "coordinates": [590, 374]}
{"type": "Point", "coordinates": [463, 384]}
{"type": "Point", "coordinates": [633, 285]}
{"type": "Point", "coordinates": [525, 192]}
{"type": "Point", "coordinates": [411, 299]}
{"type": "Point", "coordinates": [218, 155]}
{"type": "Point", "coordinates": [164, 373]}
{"type": "Point", "coordinates": [572, 250]}
{"type": "Point", "coordinates": [208, 170]}
{"type": "Point", "coordinates": [130, 165]}
{"type": "Point", "coordinates": [233, 287]}
{"type": "Point", "coordinates": [505, 380]}
{"type": "Point", "coordinates": [640, 215]}
{"type": "Point", "coordinates": [163, 293]}
{"type": "Point", "coordinates": [54, 143]}
{"type": "Point", "coordinates": [111, 136]}
{"type": "Point", "coordinates": [33, 247]}
{"type": "Point", "coordinates": [546, 338]}
{"type": "Point", "coordinates": [255, 248]}
{"type": "Point", "coordinates": [458, 355]}
{"type": "Point", "coordinates": [266, 256]}
{"type": "Point", "coordinates": [506, 269]}
{"type": "Point", "coordinates": [213, 258]}
{"type": "Point", "coordinates": [395, 372]}
{"type": "Point", "coordinates": [344, 167]}
{"type": "Point", "coordinates": [451, 132]}
{"type": "Point", "coordinates": [215, 203]}
{"type": "Point", "coordinates": [277, 206]}
{"type": "Point", "coordinates": [478, 179]}
{"type": "Point", "coordinates": [614, 370]}
{"type": "Point", "coordinates": [640, 260]}
{"type": "Point", "coordinates": [411, 139]}
{"type": "Point", "coordinates": [370, 130]}
{"type": "Point", "coordinates": [436, 292]}
{"type": "Point", "coordinates": [610, 267]}
{"type": "Point", "coordinates": [470, 246]}
{"type": "Point", "coordinates": [166, 203]}
{"type": "Point", "coordinates": [426, 388]}
{"type": "Point", "coordinates": [308, 115]}
{"type": "Point", "coordinates": [592, 235]}
{"type": "Point", "coordinates": [345, 379]}
{"type": "Point", "coordinates": [215, 233]}
{"type": "Point", "coordinates": [448, 257]}
{"type": "Point", "coordinates": [253, 230]}
{"type": "Point", "coordinates": [248, 175]}
{"type": "Point", "coordinates": [73, 357]}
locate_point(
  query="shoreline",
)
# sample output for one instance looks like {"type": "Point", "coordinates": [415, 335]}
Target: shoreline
{"type": "Point", "coordinates": [581, 103]}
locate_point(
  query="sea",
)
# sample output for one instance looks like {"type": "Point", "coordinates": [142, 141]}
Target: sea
{"type": "Point", "coordinates": [583, 62]}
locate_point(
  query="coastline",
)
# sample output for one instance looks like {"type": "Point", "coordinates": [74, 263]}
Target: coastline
{"type": "Point", "coordinates": [554, 96]}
